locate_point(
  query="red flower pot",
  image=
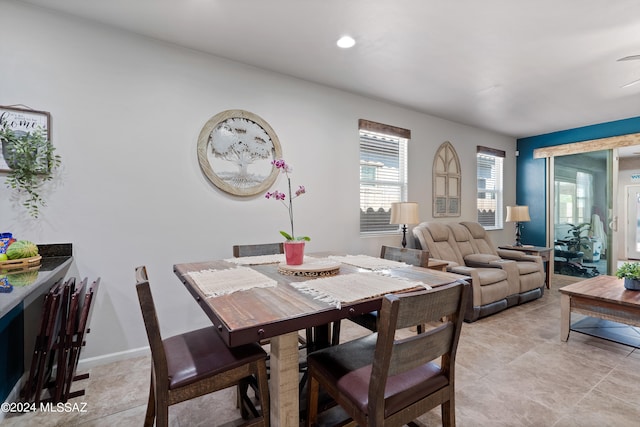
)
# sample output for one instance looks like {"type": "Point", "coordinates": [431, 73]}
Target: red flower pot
{"type": "Point", "coordinates": [294, 252]}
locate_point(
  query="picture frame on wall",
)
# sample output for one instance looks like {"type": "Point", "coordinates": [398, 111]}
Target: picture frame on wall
{"type": "Point", "coordinates": [22, 120]}
{"type": "Point", "coordinates": [235, 152]}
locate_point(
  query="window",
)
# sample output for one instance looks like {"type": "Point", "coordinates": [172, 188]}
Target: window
{"type": "Point", "coordinates": [489, 175]}
{"type": "Point", "coordinates": [383, 174]}
{"type": "Point", "coordinates": [574, 195]}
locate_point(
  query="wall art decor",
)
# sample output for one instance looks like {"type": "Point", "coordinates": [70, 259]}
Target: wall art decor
{"type": "Point", "coordinates": [235, 150]}
{"type": "Point", "coordinates": [446, 181]}
{"type": "Point", "coordinates": [22, 120]}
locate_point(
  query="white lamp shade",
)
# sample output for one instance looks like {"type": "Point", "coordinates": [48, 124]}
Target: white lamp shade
{"type": "Point", "coordinates": [404, 213]}
{"type": "Point", "coordinates": [518, 214]}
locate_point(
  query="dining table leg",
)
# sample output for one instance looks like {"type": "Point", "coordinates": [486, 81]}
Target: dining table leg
{"type": "Point", "coordinates": [283, 384]}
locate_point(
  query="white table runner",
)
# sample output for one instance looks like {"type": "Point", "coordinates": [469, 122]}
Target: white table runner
{"type": "Point", "coordinates": [222, 282]}
{"type": "Point", "coordinates": [261, 259]}
{"type": "Point", "coordinates": [347, 288]}
{"type": "Point", "coordinates": [368, 262]}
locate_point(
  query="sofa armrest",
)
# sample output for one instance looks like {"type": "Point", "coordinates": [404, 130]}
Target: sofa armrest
{"type": "Point", "coordinates": [450, 264]}
{"type": "Point", "coordinates": [518, 255]}
{"type": "Point", "coordinates": [481, 260]}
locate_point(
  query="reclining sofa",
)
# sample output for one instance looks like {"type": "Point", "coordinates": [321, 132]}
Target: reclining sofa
{"type": "Point", "coordinates": [499, 278]}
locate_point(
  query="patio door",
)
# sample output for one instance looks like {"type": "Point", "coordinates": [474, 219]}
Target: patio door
{"type": "Point", "coordinates": [582, 194]}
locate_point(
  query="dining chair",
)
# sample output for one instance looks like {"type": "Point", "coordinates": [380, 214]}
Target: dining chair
{"type": "Point", "coordinates": [417, 257]}
{"type": "Point", "coordinates": [259, 249]}
{"type": "Point", "coordinates": [384, 379]}
{"type": "Point", "coordinates": [196, 363]}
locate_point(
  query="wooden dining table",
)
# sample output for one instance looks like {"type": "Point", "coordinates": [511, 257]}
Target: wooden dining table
{"type": "Point", "coordinates": [280, 311]}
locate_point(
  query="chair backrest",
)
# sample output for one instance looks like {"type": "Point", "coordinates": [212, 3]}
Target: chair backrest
{"type": "Point", "coordinates": [151, 323]}
{"type": "Point", "coordinates": [463, 239]}
{"type": "Point", "coordinates": [438, 239]}
{"type": "Point", "coordinates": [396, 356]}
{"type": "Point", "coordinates": [481, 238]}
{"type": "Point", "coordinates": [417, 257]}
{"type": "Point", "coordinates": [260, 249]}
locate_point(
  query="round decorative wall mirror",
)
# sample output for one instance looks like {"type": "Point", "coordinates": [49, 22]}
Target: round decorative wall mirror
{"type": "Point", "coordinates": [235, 150]}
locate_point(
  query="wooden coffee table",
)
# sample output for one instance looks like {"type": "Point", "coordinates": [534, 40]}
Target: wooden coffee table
{"type": "Point", "coordinates": [604, 297]}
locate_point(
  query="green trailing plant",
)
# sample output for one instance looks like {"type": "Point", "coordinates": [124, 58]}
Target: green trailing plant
{"type": "Point", "coordinates": [32, 160]}
{"type": "Point", "coordinates": [628, 270]}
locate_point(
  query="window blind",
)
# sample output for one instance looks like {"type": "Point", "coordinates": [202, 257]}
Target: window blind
{"type": "Point", "coordinates": [383, 178]}
{"type": "Point", "coordinates": [490, 187]}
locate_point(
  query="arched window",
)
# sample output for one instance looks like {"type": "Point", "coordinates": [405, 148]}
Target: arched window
{"type": "Point", "coordinates": [446, 182]}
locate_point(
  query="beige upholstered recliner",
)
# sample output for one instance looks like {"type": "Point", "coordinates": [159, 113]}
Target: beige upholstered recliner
{"type": "Point", "coordinates": [470, 254]}
{"type": "Point", "coordinates": [490, 286]}
{"type": "Point", "coordinates": [531, 275]}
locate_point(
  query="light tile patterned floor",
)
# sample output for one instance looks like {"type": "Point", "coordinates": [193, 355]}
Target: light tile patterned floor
{"type": "Point", "coordinates": [512, 370]}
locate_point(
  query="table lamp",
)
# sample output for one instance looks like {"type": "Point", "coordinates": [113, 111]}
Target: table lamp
{"type": "Point", "coordinates": [404, 213]}
{"type": "Point", "coordinates": [518, 214]}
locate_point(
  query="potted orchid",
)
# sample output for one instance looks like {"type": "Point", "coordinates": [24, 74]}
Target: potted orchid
{"type": "Point", "coordinates": [294, 246]}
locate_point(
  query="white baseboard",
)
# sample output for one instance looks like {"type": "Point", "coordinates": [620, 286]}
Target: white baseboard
{"type": "Point", "coordinates": [86, 364]}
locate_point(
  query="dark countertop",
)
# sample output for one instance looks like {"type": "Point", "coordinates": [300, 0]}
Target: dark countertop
{"type": "Point", "coordinates": [56, 260]}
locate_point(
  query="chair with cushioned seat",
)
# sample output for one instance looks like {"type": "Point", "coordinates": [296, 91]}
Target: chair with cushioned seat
{"type": "Point", "coordinates": [490, 286]}
{"type": "Point", "coordinates": [196, 363]}
{"type": "Point", "coordinates": [383, 380]}
{"type": "Point", "coordinates": [531, 276]}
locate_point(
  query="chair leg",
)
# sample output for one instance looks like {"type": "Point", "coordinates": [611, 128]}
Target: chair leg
{"type": "Point", "coordinates": [448, 414]}
{"type": "Point", "coordinates": [263, 386]}
{"type": "Point", "coordinates": [151, 405]}
{"type": "Point", "coordinates": [313, 393]}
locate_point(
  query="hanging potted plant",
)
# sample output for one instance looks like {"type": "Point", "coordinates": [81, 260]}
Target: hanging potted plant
{"type": "Point", "coordinates": [32, 160]}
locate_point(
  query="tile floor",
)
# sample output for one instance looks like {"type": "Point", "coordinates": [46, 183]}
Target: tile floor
{"type": "Point", "coordinates": [512, 370]}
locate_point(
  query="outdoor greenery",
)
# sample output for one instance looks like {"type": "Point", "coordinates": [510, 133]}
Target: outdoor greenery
{"type": "Point", "coordinates": [32, 160]}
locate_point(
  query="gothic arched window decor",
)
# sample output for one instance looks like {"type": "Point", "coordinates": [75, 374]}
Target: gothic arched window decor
{"type": "Point", "coordinates": [235, 150]}
{"type": "Point", "coordinates": [446, 181]}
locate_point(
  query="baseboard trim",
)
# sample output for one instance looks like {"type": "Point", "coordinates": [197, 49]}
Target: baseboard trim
{"type": "Point", "coordinates": [91, 362]}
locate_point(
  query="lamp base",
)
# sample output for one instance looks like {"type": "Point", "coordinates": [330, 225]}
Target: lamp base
{"type": "Point", "coordinates": [404, 236]}
{"type": "Point", "coordinates": [518, 242]}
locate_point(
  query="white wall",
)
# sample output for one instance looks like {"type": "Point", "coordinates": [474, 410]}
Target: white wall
{"type": "Point", "coordinates": [126, 114]}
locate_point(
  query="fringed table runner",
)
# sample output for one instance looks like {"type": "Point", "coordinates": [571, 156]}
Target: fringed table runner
{"type": "Point", "coordinates": [347, 288]}
{"type": "Point", "coordinates": [261, 259]}
{"type": "Point", "coordinates": [214, 283]}
{"type": "Point", "coordinates": [368, 262]}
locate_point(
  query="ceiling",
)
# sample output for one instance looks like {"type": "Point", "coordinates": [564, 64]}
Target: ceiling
{"type": "Point", "coordinates": [517, 67]}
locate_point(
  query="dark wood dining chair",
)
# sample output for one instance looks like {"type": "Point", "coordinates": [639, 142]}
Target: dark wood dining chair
{"type": "Point", "coordinates": [417, 257]}
{"type": "Point", "coordinates": [44, 347]}
{"type": "Point", "coordinates": [78, 326]}
{"type": "Point", "coordinates": [196, 363]}
{"type": "Point", "coordinates": [259, 249]}
{"type": "Point", "coordinates": [381, 380]}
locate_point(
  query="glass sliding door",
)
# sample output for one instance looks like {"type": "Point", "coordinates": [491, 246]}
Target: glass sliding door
{"type": "Point", "coordinates": [581, 213]}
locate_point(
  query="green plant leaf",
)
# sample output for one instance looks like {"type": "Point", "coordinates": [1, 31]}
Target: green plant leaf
{"type": "Point", "coordinates": [31, 159]}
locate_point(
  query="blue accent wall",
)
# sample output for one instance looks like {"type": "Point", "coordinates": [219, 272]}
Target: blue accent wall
{"type": "Point", "coordinates": [531, 187]}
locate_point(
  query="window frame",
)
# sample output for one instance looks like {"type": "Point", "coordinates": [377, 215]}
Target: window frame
{"type": "Point", "coordinates": [378, 132]}
{"type": "Point", "coordinates": [497, 176]}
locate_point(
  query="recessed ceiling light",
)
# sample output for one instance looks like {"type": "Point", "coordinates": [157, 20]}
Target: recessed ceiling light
{"type": "Point", "coordinates": [346, 42]}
